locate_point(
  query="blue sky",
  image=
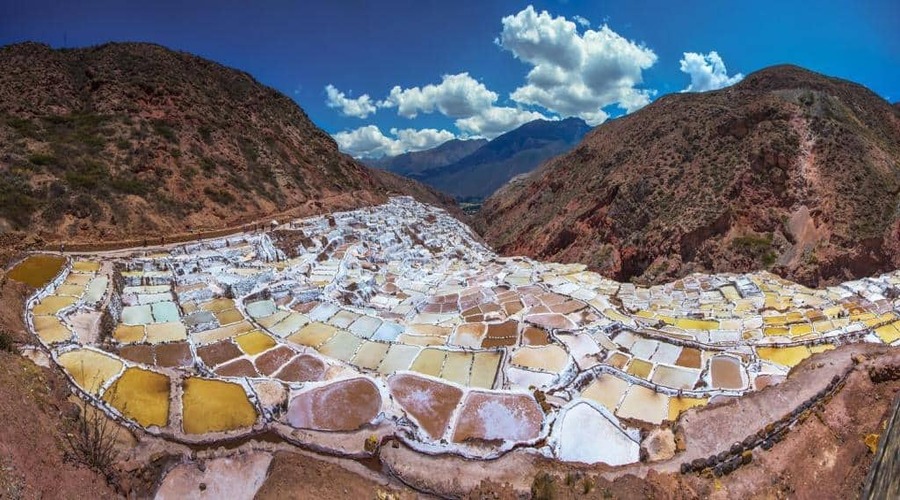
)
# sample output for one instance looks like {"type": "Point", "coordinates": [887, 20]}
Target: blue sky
{"type": "Point", "coordinates": [478, 68]}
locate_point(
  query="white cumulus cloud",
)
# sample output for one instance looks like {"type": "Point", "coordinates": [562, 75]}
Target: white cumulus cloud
{"type": "Point", "coordinates": [495, 121]}
{"type": "Point", "coordinates": [464, 99]}
{"type": "Point", "coordinates": [457, 96]}
{"type": "Point", "coordinates": [707, 72]}
{"type": "Point", "coordinates": [360, 107]}
{"type": "Point", "coordinates": [582, 21]}
{"type": "Point", "coordinates": [369, 141]}
{"type": "Point", "coordinates": [575, 74]}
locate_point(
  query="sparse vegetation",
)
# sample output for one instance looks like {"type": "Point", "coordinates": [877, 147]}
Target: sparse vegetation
{"type": "Point", "coordinates": [6, 341]}
{"type": "Point", "coordinates": [543, 487]}
{"type": "Point", "coordinates": [219, 196]}
{"type": "Point", "coordinates": [164, 129]}
{"type": "Point", "coordinates": [92, 441]}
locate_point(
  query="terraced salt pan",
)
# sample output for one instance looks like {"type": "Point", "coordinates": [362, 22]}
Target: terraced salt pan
{"type": "Point", "coordinates": [453, 311]}
{"type": "Point", "coordinates": [587, 435]}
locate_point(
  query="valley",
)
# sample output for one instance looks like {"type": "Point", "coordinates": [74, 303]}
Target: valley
{"type": "Point", "coordinates": [331, 334]}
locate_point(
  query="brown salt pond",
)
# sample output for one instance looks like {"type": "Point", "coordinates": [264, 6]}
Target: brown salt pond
{"type": "Point", "coordinates": [303, 368]}
{"type": "Point", "coordinates": [345, 405]}
{"type": "Point", "coordinates": [142, 396]}
{"type": "Point", "coordinates": [689, 358]}
{"type": "Point", "coordinates": [726, 372]}
{"type": "Point", "coordinates": [37, 270]}
{"type": "Point", "coordinates": [430, 403]}
{"type": "Point", "coordinates": [215, 406]}
{"type": "Point", "coordinates": [498, 416]}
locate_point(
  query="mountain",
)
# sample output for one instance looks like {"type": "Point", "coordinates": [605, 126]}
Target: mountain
{"type": "Point", "coordinates": [131, 140]}
{"type": "Point", "coordinates": [788, 170]}
{"type": "Point", "coordinates": [417, 162]}
{"type": "Point", "coordinates": [480, 173]}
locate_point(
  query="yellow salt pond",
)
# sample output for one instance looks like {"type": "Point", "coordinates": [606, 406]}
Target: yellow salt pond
{"type": "Point", "coordinates": [370, 354]}
{"type": "Point", "coordinates": [677, 406]}
{"type": "Point", "coordinates": [313, 335]}
{"type": "Point", "coordinates": [254, 342]}
{"type": "Point", "coordinates": [37, 270]}
{"type": "Point", "coordinates": [158, 333]}
{"type": "Point", "coordinates": [429, 362]}
{"type": "Point", "coordinates": [85, 266]}
{"type": "Point", "coordinates": [484, 369]}
{"type": "Point", "coordinates": [644, 404]}
{"type": "Point", "coordinates": [889, 333]}
{"type": "Point", "coordinates": [786, 356]}
{"type": "Point", "coordinates": [90, 369]}
{"type": "Point", "coordinates": [229, 316]}
{"type": "Point", "coordinates": [640, 368]}
{"type": "Point", "coordinates": [51, 329]}
{"type": "Point", "coordinates": [456, 367]}
{"type": "Point", "coordinates": [215, 406]}
{"type": "Point", "coordinates": [142, 396]}
{"type": "Point", "coordinates": [217, 305]}
{"type": "Point", "coordinates": [129, 334]}
{"type": "Point", "coordinates": [52, 304]}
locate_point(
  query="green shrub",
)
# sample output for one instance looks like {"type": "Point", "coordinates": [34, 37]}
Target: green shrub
{"type": "Point", "coordinates": [164, 129]}
{"type": "Point", "coordinates": [41, 159]}
{"type": "Point", "coordinates": [219, 196]}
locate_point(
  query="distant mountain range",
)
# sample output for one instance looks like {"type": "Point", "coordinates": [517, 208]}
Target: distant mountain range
{"type": "Point", "coordinates": [474, 169]}
{"type": "Point", "coordinates": [417, 162]}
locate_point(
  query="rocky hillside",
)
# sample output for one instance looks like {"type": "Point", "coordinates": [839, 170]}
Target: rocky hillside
{"type": "Point", "coordinates": [418, 162]}
{"type": "Point", "coordinates": [128, 140]}
{"type": "Point", "coordinates": [788, 170]}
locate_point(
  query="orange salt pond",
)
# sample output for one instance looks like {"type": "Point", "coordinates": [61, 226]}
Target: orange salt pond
{"type": "Point", "coordinates": [498, 416]}
{"type": "Point", "coordinates": [37, 270]}
{"type": "Point", "coordinates": [215, 406]}
{"type": "Point", "coordinates": [430, 403]}
{"type": "Point", "coordinates": [345, 405]}
{"type": "Point", "coordinates": [90, 369]}
{"type": "Point", "coordinates": [142, 396]}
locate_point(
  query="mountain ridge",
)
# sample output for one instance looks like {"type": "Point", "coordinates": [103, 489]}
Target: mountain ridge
{"type": "Point", "coordinates": [518, 151]}
{"type": "Point", "coordinates": [787, 170]}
